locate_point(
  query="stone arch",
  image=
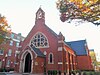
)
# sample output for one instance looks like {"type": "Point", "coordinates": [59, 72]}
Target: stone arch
{"type": "Point", "coordinates": [24, 60]}
{"type": "Point", "coordinates": [39, 40]}
{"type": "Point", "coordinates": [50, 58]}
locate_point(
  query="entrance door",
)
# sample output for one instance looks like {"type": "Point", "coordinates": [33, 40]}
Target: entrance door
{"type": "Point", "coordinates": [27, 68]}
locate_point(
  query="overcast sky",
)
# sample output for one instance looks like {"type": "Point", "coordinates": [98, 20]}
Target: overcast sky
{"type": "Point", "coordinates": [20, 14]}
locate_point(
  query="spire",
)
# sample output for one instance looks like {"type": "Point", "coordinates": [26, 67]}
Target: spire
{"type": "Point", "coordinates": [61, 37]}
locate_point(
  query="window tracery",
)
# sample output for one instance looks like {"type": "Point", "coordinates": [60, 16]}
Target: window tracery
{"type": "Point", "coordinates": [39, 40]}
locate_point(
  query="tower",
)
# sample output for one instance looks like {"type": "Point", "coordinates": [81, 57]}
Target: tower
{"type": "Point", "coordinates": [40, 16]}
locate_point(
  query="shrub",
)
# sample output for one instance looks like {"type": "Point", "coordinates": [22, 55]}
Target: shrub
{"type": "Point", "coordinates": [49, 72]}
{"type": "Point", "coordinates": [3, 70]}
{"type": "Point", "coordinates": [97, 73]}
{"type": "Point", "coordinates": [84, 73]}
{"type": "Point", "coordinates": [54, 72]}
{"type": "Point", "coordinates": [10, 69]}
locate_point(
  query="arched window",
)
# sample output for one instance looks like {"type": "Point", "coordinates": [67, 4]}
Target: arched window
{"type": "Point", "coordinates": [51, 58]}
{"type": "Point", "coordinates": [39, 40]}
{"type": "Point", "coordinates": [51, 61]}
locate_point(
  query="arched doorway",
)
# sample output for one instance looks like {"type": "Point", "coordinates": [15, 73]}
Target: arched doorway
{"type": "Point", "coordinates": [28, 62]}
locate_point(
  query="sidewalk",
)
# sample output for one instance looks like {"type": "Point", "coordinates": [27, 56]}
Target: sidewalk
{"type": "Point", "coordinates": [7, 73]}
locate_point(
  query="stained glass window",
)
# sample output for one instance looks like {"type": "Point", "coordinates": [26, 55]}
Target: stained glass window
{"type": "Point", "coordinates": [40, 40]}
{"type": "Point", "coordinates": [1, 52]}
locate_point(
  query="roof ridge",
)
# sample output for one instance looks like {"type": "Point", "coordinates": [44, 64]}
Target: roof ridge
{"type": "Point", "coordinates": [76, 40]}
{"type": "Point", "coordinates": [51, 31]}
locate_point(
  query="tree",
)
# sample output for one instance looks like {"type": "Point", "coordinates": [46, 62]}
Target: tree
{"type": "Point", "coordinates": [4, 29]}
{"type": "Point", "coordinates": [86, 10]}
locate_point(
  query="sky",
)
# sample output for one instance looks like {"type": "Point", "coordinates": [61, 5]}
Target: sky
{"type": "Point", "coordinates": [21, 14]}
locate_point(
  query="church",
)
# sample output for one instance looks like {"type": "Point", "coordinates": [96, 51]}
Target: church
{"type": "Point", "coordinates": [43, 50]}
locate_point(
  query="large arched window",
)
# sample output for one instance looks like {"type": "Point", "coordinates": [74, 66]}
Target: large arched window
{"type": "Point", "coordinates": [39, 40]}
{"type": "Point", "coordinates": [51, 58]}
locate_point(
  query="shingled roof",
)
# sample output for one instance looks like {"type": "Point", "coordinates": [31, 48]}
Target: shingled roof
{"type": "Point", "coordinates": [78, 46]}
{"type": "Point", "coordinates": [38, 52]}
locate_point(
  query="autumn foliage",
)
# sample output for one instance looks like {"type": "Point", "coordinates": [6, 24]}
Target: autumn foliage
{"type": "Point", "coordinates": [87, 10]}
{"type": "Point", "coordinates": [4, 29]}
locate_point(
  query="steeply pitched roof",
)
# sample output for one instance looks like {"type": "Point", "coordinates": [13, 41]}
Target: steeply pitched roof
{"type": "Point", "coordinates": [78, 46]}
{"type": "Point", "coordinates": [51, 31]}
{"type": "Point", "coordinates": [40, 10]}
{"type": "Point", "coordinates": [38, 52]}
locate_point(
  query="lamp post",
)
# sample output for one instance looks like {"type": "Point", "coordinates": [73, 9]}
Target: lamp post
{"type": "Point", "coordinates": [5, 61]}
{"type": "Point", "coordinates": [16, 63]}
{"type": "Point", "coordinates": [17, 53]}
{"type": "Point", "coordinates": [45, 62]}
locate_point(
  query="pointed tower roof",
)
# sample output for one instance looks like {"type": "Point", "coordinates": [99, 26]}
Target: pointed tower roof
{"type": "Point", "coordinates": [61, 37]}
{"type": "Point", "coordinates": [40, 14]}
{"type": "Point", "coordinates": [40, 9]}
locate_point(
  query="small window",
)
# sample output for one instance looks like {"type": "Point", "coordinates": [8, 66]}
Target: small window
{"type": "Point", "coordinates": [0, 64]}
{"type": "Point", "coordinates": [11, 43]}
{"type": "Point", "coordinates": [1, 52]}
{"type": "Point", "coordinates": [17, 44]}
{"type": "Point", "coordinates": [8, 63]}
{"type": "Point", "coordinates": [59, 48]}
{"type": "Point", "coordinates": [15, 63]}
{"type": "Point", "coordinates": [51, 58]}
{"type": "Point", "coordinates": [18, 37]}
{"type": "Point", "coordinates": [15, 54]}
{"type": "Point", "coordinates": [12, 35]}
{"type": "Point", "coordinates": [9, 52]}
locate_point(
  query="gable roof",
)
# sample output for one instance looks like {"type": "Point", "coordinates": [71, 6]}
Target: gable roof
{"type": "Point", "coordinates": [78, 46]}
{"type": "Point", "coordinates": [38, 52]}
{"type": "Point", "coordinates": [36, 29]}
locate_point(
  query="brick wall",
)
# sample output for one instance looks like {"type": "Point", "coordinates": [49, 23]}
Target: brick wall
{"type": "Point", "coordinates": [84, 63]}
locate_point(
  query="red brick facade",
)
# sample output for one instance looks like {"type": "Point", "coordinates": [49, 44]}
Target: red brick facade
{"type": "Point", "coordinates": [8, 51]}
{"type": "Point", "coordinates": [55, 50]}
{"type": "Point", "coordinates": [85, 62]}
